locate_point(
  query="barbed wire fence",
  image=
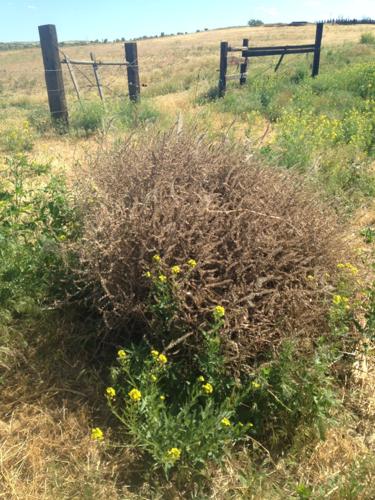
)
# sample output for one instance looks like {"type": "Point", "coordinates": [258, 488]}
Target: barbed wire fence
{"type": "Point", "coordinates": [54, 58]}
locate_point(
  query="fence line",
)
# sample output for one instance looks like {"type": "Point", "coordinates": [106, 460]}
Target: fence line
{"type": "Point", "coordinates": [54, 74]}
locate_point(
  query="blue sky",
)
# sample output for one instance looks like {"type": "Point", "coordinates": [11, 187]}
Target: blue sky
{"type": "Point", "coordinates": [91, 19]}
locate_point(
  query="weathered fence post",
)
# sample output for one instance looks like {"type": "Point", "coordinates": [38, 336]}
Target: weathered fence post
{"type": "Point", "coordinates": [223, 68]}
{"type": "Point", "coordinates": [318, 44]}
{"type": "Point", "coordinates": [97, 78]}
{"type": "Point", "coordinates": [131, 57]}
{"type": "Point", "coordinates": [53, 74]}
{"type": "Point", "coordinates": [243, 66]}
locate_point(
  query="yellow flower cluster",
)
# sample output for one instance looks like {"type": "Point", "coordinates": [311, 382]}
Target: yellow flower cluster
{"type": "Point", "coordinates": [255, 385]}
{"type": "Point", "coordinates": [135, 395]}
{"type": "Point", "coordinates": [200, 378]}
{"type": "Point", "coordinates": [349, 267]}
{"type": "Point", "coordinates": [176, 269]}
{"type": "Point", "coordinates": [156, 258]}
{"type": "Point", "coordinates": [162, 358]}
{"type": "Point", "coordinates": [225, 422]}
{"type": "Point", "coordinates": [207, 388]}
{"type": "Point", "coordinates": [339, 300]}
{"type": "Point", "coordinates": [121, 354]}
{"type": "Point", "coordinates": [174, 454]}
{"type": "Point", "coordinates": [162, 278]}
{"type": "Point", "coordinates": [219, 312]}
{"type": "Point", "coordinates": [192, 263]}
{"type": "Point", "coordinates": [110, 392]}
{"type": "Point", "coordinates": [97, 434]}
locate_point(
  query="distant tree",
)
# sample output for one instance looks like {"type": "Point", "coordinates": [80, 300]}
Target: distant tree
{"type": "Point", "coordinates": [205, 29]}
{"type": "Point", "coordinates": [162, 34]}
{"type": "Point", "coordinates": [105, 40]}
{"type": "Point", "coordinates": [122, 39]}
{"type": "Point", "coordinates": [255, 22]}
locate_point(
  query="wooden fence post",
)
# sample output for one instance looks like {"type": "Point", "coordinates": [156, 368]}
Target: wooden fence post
{"type": "Point", "coordinates": [97, 78]}
{"type": "Point", "coordinates": [243, 66]}
{"type": "Point", "coordinates": [131, 57]}
{"type": "Point", "coordinates": [318, 44]}
{"type": "Point", "coordinates": [223, 68]}
{"type": "Point", "coordinates": [53, 74]}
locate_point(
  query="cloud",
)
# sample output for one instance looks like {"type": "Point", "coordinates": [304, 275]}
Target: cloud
{"type": "Point", "coordinates": [32, 7]}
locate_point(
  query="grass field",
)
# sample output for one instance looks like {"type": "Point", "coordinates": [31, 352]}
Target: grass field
{"type": "Point", "coordinates": [54, 365]}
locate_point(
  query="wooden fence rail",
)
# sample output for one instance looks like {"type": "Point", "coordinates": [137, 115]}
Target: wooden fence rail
{"type": "Point", "coordinates": [277, 50]}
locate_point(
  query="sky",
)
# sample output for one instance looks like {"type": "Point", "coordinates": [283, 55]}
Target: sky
{"type": "Point", "coordinates": [99, 19]}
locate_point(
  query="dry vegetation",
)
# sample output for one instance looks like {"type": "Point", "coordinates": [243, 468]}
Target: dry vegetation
{"type": "Point", "coordinates": [264, 245]}
{"type": "Point", "coordinates": [51, 366]}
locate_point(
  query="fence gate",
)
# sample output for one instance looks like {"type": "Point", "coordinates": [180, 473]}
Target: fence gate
{"type": "Point", "coordinates": [279, 50]}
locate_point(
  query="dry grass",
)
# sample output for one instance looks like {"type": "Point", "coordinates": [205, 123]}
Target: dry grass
{"type": "Point", "coordinates": [193, 57]}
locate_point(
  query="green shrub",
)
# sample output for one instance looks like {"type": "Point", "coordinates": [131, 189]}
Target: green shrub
{"type": "Point", "coordinates": [35, 217]}
{"type": "Point", "coordinates": [133, 115]}
{"type": "Point", "coordinates": [88, 117]}
{"type": "Point", "coordinates": [17, 139]}
{"type": "Point", "coordinates": [368, 39]}
{"type": "Point", "coordinates": [40, 119]}
{"type": "Point", "coordinates": [185, 414]}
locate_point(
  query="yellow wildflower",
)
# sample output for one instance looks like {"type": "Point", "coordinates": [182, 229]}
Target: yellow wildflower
{"type": "Point", "coordinates": [156, 258]}
{"type": "Point", "coordinates": [255, 385]}
{"type": "Point", "coordinates": [162, 398]}
{"type": "Point", "coordinates": [162, 278]}
{"type": "Point", "coordinates": [154, 353]}
{"type": "Point", "coordinates": [174, 454]}
{"type": "Point", "coordinates": [153, 378]}
{"type": "Point", "coordinates": [97, 434]}
{"type": "Point", "coordinates": [349, 267]}
{"type": "Point", "coordinates": [176, 269]}
{"type": "Point", "coordinates": [200, 378]}
{"type": "Point", "coordinates": [162, 358]}
{"type": "Point", "coordinates": [219, 312]}
{"type": "Point", "coordinates": [352, 269]}
{"type": "Point", "coordinates": [225, 422]}
{"type": "Point", "coordinates": [208, 389]}
{"type": "Point", "coordinates": [135, 395]}
{"type": "Point", "coordinates": [110, 392]}
{"type": "Point", "coordinates": [192, 263]}
{"type": "Point", "coordinates": [310, 277]}
{"type": "Point", "coordinates": [148, 274]}
{"type": "Point", "coordinates": [121, 354]}
{"type": "Point", "coordinates": [340, 300]}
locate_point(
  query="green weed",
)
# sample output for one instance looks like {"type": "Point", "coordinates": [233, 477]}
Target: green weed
{"type": "Point", "coordinates": [35, 217]}
{"type": "Point", "coordinates": [368, 39]}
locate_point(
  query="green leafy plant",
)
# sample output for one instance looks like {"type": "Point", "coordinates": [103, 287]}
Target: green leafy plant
{"type": "Point", "coordinates": [368, 234]}
{"type": "Point", "coordinates": [367, 39]}
{"type": "Point", "coordinates": [88, 117]}
{"type": "Point", "coordinates": [181, 416]}
{"type": "Point", "coordinates": [35, 217]}
{"type": "Point", "coordinates": [17, 139]}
